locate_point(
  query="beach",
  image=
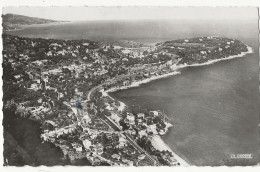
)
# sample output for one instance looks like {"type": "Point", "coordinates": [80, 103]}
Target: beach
{"type": "Point", "coordinates": [159, 144]}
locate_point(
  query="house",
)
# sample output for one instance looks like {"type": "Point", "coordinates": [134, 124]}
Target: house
{"type": "Point", "coordinates": [37, 62]}
{"type": "Point", "coordinates": [126, 83]}
{"type": "Point", "coordinates": [169, 63]}
{"type": "Point", "coordinates": [141, 56]}
{"type": "Point", "coordinates": [17, 77]}
{"type": "Point", "coordinates": [55, 45]}
{"type": "Point", "coordinates": [203, 52]}
{"type": "Point", "coordinates": [139, 120]}
{"type": "Point", "coordinates": [162, 131]}
{"type": "Point", "coordinates": [125, 59]}
{"type": "Point", "coordinates": [62, 52]}
{"type": "Point", "coordinates": [98, 149]}
{"type": "Point", "coordinates": [77, 147]}
{"type": "Point", "coordinates": [60, 95]}
{"type": "Point", "coordinates": [141, 156]}
{"type": "Point", "coordinates": [116, 156]}
{"type": "Point", "coordinates": [146, 75]}
{"type": "Point", "coordinates": [142, 133]}
{"type": "Point", "coordinates": [154, 113]}
{"type": "Point", "coordinates": [130, 119]}
{"type": "Point", "coordinates": [140, 115]}
{"type": "Point", "coordinates": [227, 46]}
{"type": "Point", "coordinates": [152, 129]}
{"type": "Point", "coordinates": [86, 119]}
{"type": "Point", "coordinates": [85, 43]}
{"type": "Point", "coordinates": [122, 142]}
{"type": "Point", "coordinates": [34, 87]}
{"type": "Point", "coordinates": [116, 47]}
{"type": "Point", "coordinates": [115, 117]}
{"type": "Point", "coordinates": [86, 143]}
{"type": "Point", "coordinates": [49, 53]}
{"type": "Point", "coordinates": [23, 57]}
{"type": "Point", "coordinates": [131, 131]}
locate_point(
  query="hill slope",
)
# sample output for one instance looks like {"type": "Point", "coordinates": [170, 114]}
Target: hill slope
{"type": "Point", "coordinates": [14, 21]}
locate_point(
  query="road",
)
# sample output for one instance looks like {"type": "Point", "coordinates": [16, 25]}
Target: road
{"type": "Point", "coordinates": [106, 82]}
{"type": "Point", "coordinates": [131, 140]}
{"type": "Point", "coordinates": [115, 126]}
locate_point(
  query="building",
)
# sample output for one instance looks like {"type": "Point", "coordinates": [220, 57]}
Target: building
{"type": "Point", "coordinates": [130, 119]}
{"type": "Point", "coordinates": [98, 149]}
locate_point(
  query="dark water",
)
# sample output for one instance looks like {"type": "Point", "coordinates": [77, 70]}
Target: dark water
{"type": "Point", "coordinates": [215, 107]}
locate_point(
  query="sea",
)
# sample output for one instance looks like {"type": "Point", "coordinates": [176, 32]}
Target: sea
{"type": "Point", "coordinates": [214, 108]}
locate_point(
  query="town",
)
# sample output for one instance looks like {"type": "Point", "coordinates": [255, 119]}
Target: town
{"type": "Point", "coordinates": [64, 85]}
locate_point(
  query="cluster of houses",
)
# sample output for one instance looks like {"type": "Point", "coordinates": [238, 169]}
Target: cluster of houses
{"type": "Point", "coordinates": [202, 49]}
{"type": "Point", "coordinates": [45, 77]}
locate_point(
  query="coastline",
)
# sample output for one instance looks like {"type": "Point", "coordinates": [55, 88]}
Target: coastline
{"type": "Point", "coordinates": [22, 27]}
{"type": "Point", "coordinates": [156, 140]}
{"type": "Point", "coordinates": [138, 83]}
{"type": "Point", "coordinates": [159, 144]}
{"type": "Point", "coordinates": [242, 54]}
{"type": "Point", "coordinates": [175, 71]}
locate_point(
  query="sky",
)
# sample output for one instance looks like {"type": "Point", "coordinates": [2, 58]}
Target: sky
{"type": "Point", "coordinates": [136, 13]}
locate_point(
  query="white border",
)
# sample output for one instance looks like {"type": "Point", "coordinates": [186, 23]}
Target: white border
{"type": "Point", "coordinates": [131, 2]}
{"type": "Point", "coordinates": [212, 3]}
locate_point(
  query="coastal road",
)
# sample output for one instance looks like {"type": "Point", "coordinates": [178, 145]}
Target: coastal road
{"type": "Point", "coordinates": [115, 126]}
{"type": "Point", "coordinates": [129, 138]}
{"type": "Point", "coordinates": [91, 91]}
{"type": "Point", "coordinates": [107, 82]}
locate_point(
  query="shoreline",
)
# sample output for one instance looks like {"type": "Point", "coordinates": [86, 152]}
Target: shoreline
{"type": "Point", "coordinates": [138, 83]}
{"type": "Point", "coordinates": [175, 71]}
{"type": "Point", "coordinates": [159, 144]}
{"type": "Point", "coordinates": [156, 140]}
{"type": "Point", "coordinates": [22, 27]}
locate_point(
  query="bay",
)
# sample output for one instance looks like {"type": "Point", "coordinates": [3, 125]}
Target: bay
{"type": "Point", "coordinates": [215, 107]}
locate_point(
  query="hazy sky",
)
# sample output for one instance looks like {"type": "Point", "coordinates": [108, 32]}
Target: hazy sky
{"type": "Point", "coordinates": [130, 13]}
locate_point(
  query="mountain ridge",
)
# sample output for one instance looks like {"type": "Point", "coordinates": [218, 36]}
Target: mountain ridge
{"type": "Point", "coordinates": [15, 21]}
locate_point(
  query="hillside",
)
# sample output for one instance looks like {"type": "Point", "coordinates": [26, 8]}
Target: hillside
{"type": "Point", "coordinates": [127, 43]}
{"type": "Point", "coordinates": [14, 21]}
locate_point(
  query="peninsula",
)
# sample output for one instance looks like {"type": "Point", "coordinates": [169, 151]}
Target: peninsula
{"type": "Point", "coordinates": [64, 85]}
{"type": "Point", "coordinates": [15, 21]}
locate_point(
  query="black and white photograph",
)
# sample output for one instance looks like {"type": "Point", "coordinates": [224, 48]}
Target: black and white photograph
{"type": "Point", "coordinates": [130, 86]}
